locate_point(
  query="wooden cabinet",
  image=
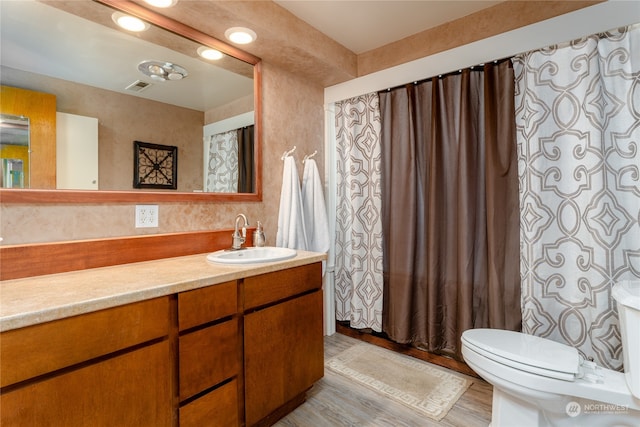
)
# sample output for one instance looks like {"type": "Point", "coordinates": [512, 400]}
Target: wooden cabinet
{"type": "Point", "coordinates": [111, 367]}
{"type": "Point", "coordinates": [209, 356]}
{"type": "Point", "coordinates": [283, 341]}
{"type": "Point", "coordinates": [237, 353]}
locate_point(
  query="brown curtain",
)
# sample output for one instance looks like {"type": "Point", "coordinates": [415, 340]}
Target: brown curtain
{"type": "Point", "coordinates": [450, 208]}
{"type": "Point", "coordinates": [245, 160]}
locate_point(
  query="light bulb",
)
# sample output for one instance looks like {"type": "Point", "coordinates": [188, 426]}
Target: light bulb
{"type": "Point", "coordinates": [208, 53]}
{"type": "Point", "coordinates": [129, 23]}
{"type": "Point", "coordinates": [162, 3]}
{"type": "Point", "coordinates": [240, 35]}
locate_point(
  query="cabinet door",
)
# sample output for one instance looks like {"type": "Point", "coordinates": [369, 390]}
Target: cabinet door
{"type": "Point", "coordinates": [284, 353]}
{"type": "Point", "coordinates": [133, 389]}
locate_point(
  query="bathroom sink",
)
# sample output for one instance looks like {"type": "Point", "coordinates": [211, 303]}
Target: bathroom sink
{"type": "Point", "coordinates": [251, 255]}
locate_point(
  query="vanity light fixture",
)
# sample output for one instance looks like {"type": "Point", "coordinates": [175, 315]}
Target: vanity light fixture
{"type": "Point", "coordinates": [129, 23]}
{"type": "Point", "coordinates": [162, 3]}
{"type": "Point", "coordinates": [240, 35]}
{"type": "Point", "coordinates": [209, 53]}
{"type": "Point", "coordinates": [162, 71]}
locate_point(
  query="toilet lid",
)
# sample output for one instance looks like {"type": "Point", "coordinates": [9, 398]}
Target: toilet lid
{"type": "Point", "coordinates": [534, 354]}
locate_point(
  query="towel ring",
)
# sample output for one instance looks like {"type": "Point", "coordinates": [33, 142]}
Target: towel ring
{"type": "Point", "coordinates": [288, 153]}
{"type": "Point", "coordinates": [308, 156]}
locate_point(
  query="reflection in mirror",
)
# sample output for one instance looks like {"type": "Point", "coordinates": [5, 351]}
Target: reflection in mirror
{"type": "Point", "coordinates": [228, 155]}
{"type": "Point", "coordinates": [95, 72]}
{"type": "Point", "coordinates": [14, 151]}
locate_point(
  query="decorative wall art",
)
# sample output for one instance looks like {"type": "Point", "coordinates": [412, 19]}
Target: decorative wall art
{"type": "Point", "coordinates": [155, 166]}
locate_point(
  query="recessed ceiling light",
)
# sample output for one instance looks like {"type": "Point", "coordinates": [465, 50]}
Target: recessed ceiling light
{"type": "Point", "coordinates": [162, 3]}
{"type": "Point", "coordinates": [129, 23]}
{"type": "Point", "coordinates": [208, 53]}
{"type": "Point", "coordinates": [240, 35]}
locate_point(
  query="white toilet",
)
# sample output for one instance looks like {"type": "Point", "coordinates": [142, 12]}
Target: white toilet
{"type": "Point", "coordinates": [539, 382]}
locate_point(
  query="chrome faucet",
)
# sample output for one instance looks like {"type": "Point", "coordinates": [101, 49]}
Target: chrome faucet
{"type": "Point", "coordinates": [238, 239]}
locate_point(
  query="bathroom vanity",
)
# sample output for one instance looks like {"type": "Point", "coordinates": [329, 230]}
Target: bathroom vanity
{"type": "Point", "coordinates": [175, 341]}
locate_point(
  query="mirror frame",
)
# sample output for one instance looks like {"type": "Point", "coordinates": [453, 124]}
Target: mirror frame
{"type": "Point", "coordinates": [109, 196]}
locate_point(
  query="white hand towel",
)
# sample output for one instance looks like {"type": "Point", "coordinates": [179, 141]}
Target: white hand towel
{"type": "Point", "coordinates": [315, 211]}
{"type": "Point", "coordinates": [291, 228]}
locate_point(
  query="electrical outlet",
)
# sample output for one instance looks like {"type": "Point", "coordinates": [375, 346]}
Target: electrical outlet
{"type": "Point", "coordinates": [146, 216]}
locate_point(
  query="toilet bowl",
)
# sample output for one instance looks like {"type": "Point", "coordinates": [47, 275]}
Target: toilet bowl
{"type": "Point", "coordinates": [539, 382]}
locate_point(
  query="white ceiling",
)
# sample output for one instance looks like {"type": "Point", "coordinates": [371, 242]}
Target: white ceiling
{"type": "Point", "coordinates": [44, 40]}
{"type": "Point", "coordinates": [362, 25]}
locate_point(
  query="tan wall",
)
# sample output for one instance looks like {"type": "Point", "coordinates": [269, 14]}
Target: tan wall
{"type": "Point", "coordinates": [234, 108]}
{"type": "Point", "coordinates": [503, 17]}
{"type": "Point", "coordinates": [122, 120]}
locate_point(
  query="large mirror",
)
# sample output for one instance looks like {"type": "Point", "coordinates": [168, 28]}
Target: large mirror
{"type": "Point", "coordinates": [14, 151]}
{"type": "Point", "coordinates": [207, 111]}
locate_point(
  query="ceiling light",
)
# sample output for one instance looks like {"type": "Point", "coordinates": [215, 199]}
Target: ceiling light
{"type": "Point", "coordinates": [240, 35]}
{"type": "Point", "coordinates": [162, 3]}
{"type": "Point", "coordinates": [208, 53]}
{"type": "Point", "coordinates": [129, 23]}
{"type": "Point", "coordinates": [162, 71]}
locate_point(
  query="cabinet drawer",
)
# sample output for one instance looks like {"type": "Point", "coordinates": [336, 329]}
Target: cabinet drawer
{"type": "Point", "coordinates": [208, 357]}
{"type": "Point", "coordinates": [216, 409]}
{"type": "Point", "coordinates": [207, 304]}
{"type": "Point", "coordinates": [132, 389]}
{"type": "Point", "coordinates": [39, 349]}
{"type": "Point", "coordinates": [272, 287]}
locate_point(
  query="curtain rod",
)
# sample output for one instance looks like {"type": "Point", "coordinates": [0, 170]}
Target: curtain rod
{"type": "Point", "coordinates": [450, 73]}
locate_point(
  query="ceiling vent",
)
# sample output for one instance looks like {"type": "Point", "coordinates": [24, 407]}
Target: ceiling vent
{"type": "Point", "coordinates": [138, 86]}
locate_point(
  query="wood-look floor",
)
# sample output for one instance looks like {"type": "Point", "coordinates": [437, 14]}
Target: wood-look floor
{"type": "Point", "coordinates": [335, 401]}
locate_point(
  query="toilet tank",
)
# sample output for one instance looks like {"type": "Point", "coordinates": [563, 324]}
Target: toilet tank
{"type": "Point", "coordinates": [627, 295]}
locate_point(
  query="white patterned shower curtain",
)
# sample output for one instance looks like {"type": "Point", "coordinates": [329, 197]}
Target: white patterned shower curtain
{"type": "Point", "coordinates": [578, 125]}
{"type": "Point", "coordinates": [358, 247]}
{"type": "Point", "coordinates": [222, 165]}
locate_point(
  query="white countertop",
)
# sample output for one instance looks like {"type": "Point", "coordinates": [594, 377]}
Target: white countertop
{"type": "Point", "coordinates": [39, 299]}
